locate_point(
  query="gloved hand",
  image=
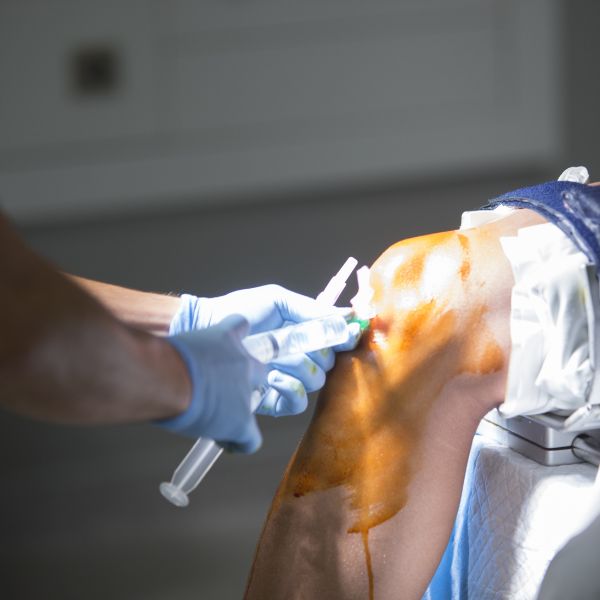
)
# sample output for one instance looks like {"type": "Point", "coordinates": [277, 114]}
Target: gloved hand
{"type": "Point", "coordinates": [269, 307]}
{"type": "Point", "coordinates": [223, 376]}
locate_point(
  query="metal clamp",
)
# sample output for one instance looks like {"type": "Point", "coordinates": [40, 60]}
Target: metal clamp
{"type": "Point", "coordinates": [587, 448]}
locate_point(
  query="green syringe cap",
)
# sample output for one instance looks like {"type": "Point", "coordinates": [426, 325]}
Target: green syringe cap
{"type": "Point", "coordinates": [363, 323]}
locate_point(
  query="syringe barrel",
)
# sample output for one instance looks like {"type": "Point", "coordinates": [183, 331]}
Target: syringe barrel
{"type": "Point", "coordinates": [196, 464]}
{"type": "Point", "coordinates": [301, 338]}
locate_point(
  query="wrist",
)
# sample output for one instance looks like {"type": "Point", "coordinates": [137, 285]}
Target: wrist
{"type": "Point", "coordinates": [147, 311]}
{"type": "Point", "coordinates": [184, 316]}
{"type": "Point", "coordinates": [183, 420]}
{"type": "Point", "coordinates": [175, 394]}
{"type": "Point", "coordinates": [187, 316]}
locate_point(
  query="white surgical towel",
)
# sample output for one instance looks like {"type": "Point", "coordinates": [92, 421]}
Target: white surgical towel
{"type": "Point", "coordinates": [515, 515]}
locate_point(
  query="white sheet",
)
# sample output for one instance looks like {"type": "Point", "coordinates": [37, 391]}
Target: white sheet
{"type": "Point", "coordinates": [515, 515]}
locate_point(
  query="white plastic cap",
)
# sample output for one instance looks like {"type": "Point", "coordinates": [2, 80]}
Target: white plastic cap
{"type": "Point", "coordinates": [337, 283]}
{"type": "Point", "coordinates": [361, 303]}
{"type": "Point", "coordinates": [575, 174]}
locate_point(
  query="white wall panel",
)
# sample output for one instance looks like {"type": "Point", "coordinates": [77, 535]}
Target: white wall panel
{"type": "Point", "coordinates": [38, 111]}
{"type": "Point", "coordinates": [234, 98]}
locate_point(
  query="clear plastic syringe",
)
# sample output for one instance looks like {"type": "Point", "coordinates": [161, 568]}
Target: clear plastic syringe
{"type": "Point", "coordinates": [298, 339]}
{"type": "Point", "coordinates": [301, 338]}
{"type": "Point", "coordinates": [265, 347]}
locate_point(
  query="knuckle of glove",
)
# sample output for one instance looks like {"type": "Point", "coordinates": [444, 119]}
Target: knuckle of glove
{"type": "Point", "coordinates": [325, 358]}
{"type": "Point", "coordinates": [293, 398]}
{"type": "Point", "coordinates": [304, 369]}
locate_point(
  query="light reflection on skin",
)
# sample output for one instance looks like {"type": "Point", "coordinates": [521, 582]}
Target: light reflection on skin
{"type": "Point", "coordinates": [439, 271]}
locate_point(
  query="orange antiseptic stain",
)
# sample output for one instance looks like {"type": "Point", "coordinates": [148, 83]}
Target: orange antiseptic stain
{"type": "Point", "coordinates": [492, 359]}
{"type": "Point", "coordinates": [372, 413]}
{"type": "Point", "coordinates": [365, 541]}
{"type": "Point", "coordinates": [404, 261]}
{"type": "Point", "coordinates": [465, 267]}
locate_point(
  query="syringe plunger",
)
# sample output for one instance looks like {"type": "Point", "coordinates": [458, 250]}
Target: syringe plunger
{"type": "Point", "coordinates": [191, 471]}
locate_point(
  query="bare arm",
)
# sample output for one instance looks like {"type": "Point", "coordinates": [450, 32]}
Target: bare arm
{"type": "Point", "coordinates": [64, 358]}
{"type": "Point", "coordinates": [367, 503]}
{"type": "Point", "coordinates": [145, 310]}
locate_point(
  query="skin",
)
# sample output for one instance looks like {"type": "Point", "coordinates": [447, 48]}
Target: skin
{"type": "Point", "coordinates": [65, 358]}
{"type": "Point", "coordinates": [368, 500]}
{"type": "Point", "coordinates": [147, 311]}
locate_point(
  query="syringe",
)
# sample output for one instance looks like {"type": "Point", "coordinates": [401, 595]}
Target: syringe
{"type": "Point", "coordinates": [265, 347]}
{"type": "Point", "coordinates": [301, 338]}
{"type": "Point", "coordinates": [298, 339]}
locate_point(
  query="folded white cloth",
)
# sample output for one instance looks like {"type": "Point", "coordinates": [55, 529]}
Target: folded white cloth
{"type": "Point", "coordinates": [551, 323]}
{"type": "Point", "coordinates": [553, 320]}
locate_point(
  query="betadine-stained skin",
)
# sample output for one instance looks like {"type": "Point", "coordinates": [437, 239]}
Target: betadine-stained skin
{"type": "Point", "coordinates": [366, 505]}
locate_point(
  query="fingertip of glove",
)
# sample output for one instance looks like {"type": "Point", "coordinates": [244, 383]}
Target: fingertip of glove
{"type": "Point", "coordinates": [292, 400]}
{"type": "Point", "coordinates": [354, 335]}
{"type": "Point", "coordinates": [252, 440]}
{"type": "Point", "coordinates": [249, 447]}
{"type": "Point", "coordinates": [268, 403]}
{"type": "Point", "coordinates": [354, 330]}
{"type": "Point", "coordinates": [287, 407]}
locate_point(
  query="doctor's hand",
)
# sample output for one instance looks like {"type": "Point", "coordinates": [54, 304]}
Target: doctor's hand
{"type": "Point", "coordinates": [269, 307]}
{"type": "Point", "coordinates": [223, 377]}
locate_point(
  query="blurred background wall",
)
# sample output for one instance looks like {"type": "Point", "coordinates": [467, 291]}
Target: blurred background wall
{"type": "Point", "coordinates": [213, 145]}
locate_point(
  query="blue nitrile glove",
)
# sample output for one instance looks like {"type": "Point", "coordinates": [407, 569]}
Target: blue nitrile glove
{"type": "Point", "coordinates": [223, 377]}
{"type": "Point", "coordinates": [269, 307]}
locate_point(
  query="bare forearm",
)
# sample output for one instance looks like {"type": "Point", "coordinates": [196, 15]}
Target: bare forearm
{"type": "Point", "coordinates": [64, 358]}
{"type": "Point", "coordinates": [145, 310]}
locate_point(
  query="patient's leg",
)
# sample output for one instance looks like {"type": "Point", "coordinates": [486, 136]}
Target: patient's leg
{"type": "Point", "coordinates": [368, 500]}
